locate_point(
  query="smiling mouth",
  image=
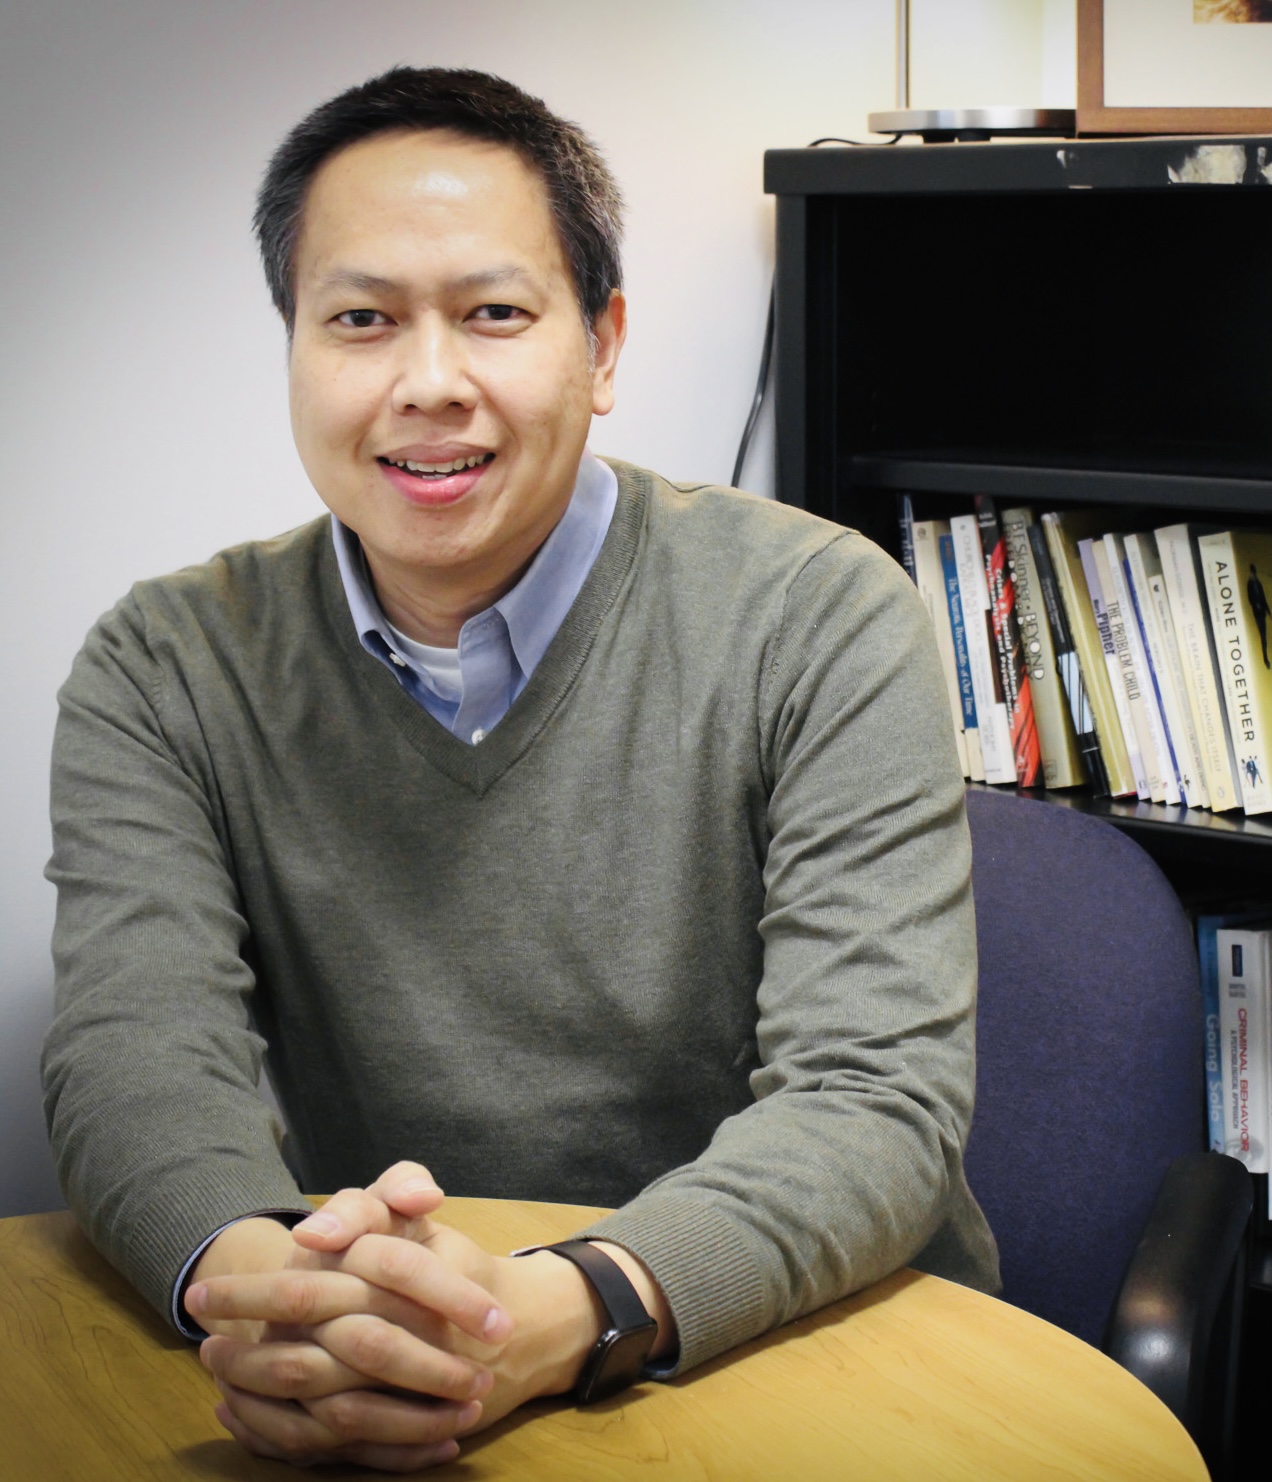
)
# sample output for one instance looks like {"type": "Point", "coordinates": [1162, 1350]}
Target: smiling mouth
{"type": "Point", "coordinates": [427, 471]}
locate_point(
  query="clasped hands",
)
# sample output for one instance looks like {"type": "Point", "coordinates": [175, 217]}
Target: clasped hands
{"type": "Point", "coordinates": [374, 1335]}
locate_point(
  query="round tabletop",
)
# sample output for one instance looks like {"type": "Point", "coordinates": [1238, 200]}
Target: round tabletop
{"type": "Point", "coordinates": [913, 1378]}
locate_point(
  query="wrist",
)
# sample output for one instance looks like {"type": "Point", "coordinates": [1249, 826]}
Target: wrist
{"type": "Point", "coordinates": [247, 1247]}
{"type": "Point", "coordinates": [558, 1319]}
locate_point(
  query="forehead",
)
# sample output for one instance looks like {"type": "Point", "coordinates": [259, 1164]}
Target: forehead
{"type": "Point", "coordinates": [426, 192]}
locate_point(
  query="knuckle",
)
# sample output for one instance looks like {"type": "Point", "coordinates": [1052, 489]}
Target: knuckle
{"type": "Point", "coordinates": [291, 1376]}
{"type": "Point", "coordinates": [398, 1262]}
{"type": "Point", "coordinates": [369, 1345]}
{"type": "Point", "coordinates": [298, 1298]}
{"type": "Point", "coordinates": [342, 1415]}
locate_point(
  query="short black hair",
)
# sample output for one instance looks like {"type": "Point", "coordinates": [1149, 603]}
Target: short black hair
{"type": "Point", "coordinates": [582, 195]}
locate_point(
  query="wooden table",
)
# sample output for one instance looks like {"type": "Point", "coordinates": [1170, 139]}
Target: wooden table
{"type": "Point", "coordinates": [914, 1378]}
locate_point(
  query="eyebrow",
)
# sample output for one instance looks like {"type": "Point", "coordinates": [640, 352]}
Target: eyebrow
{"type": "Point", "coordinates": [350, 280]}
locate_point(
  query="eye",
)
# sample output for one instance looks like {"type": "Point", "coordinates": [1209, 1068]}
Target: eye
{"type": "Point", "coordinates": [361, 318]}
{"type": "Point", "coordinates": [497, 313]}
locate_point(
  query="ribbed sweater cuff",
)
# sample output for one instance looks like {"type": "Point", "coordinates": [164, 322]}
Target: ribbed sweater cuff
{"type": "Point", "coordinates": [708, 1271]}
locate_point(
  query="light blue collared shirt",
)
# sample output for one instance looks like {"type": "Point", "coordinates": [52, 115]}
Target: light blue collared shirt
{"type": "Point", "coordinates": [500, 648]}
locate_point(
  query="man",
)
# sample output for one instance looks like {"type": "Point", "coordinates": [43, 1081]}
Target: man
{"type": "Point", "coordinates": [592, 838]}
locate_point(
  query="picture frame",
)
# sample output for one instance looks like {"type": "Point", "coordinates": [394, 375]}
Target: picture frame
{"type": "Point", "coordinates": [1097, 117]}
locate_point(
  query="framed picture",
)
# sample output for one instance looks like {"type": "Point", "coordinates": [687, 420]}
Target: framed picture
{"type": "Point", "coordinates": [1174, 66]}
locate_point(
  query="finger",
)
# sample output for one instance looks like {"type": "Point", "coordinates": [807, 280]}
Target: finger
{"type": "Point", "coordinates": [390, 1356]}
{"type": "Point", "coordinates": [289, 1432]}
{"type": "Point", "coordinates": [280, 1371]}
{"type": "Point", "coordinates": [391, 1420]}
{"type": "Point", "coordinates": [408, 1188]}
{"type": "Point", "coordinates": [414, 1271]}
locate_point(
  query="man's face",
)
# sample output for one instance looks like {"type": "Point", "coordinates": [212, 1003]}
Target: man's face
{"type": "Point", "coordinates": [436, 325]}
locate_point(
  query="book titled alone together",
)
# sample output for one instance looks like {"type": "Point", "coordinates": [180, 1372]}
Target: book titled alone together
{"type": "Point", "coordinates": [1139, 663]}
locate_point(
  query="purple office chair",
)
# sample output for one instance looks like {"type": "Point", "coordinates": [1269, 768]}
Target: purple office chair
{"type": "Point", "coordinates": [1087, 1151]}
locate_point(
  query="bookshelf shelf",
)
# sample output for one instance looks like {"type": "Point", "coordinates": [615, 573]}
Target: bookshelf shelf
{"type": "Point", "coordinates": [1056, 323]}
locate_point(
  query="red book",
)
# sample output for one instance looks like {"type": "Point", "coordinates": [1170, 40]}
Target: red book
{"type": "Point", "coordinates": [1011, 664]}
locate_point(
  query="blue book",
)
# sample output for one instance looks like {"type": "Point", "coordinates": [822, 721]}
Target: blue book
{"type": "Point", "coordinates": [966, 694]}
{"type": "Point", "coordinates": [1208, 928]}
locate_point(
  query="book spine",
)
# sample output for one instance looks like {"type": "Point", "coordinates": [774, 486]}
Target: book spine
{"type": "Point", "coordinates": [1101, 600]}
{"type": "Point", "coordinates": [1057, 744]}
{"type": "Point", "coordinates": [1163, 782]}
{"type": "Point", "coordinates": [1081, 720]}
{"type": "Point", "coordinates": [1165, 696]}
{"type": "Point", "coordinates": [905, 520]}
{"type": "Point", "coordinates": [1208, 958]}
{"type": "Point", "coordinates": [1066, 562]}
{"type": "Point", "coordinates": [962, 660]}
{"type": "Point", "coordinates": [991, 708]}
{"type": "Point", "coordinates": [1238, 644]}
{"type": "Point", "coordinates": [931, 583]}
{"type": "Point", "coordinates": [1167, 663]}
{"type": "Point", "coordinates": [1017, 690]}
{"type": "Point", "coordinates": [1243, 1019]}
{"type": "Point", "coordinates": [1181, 571]}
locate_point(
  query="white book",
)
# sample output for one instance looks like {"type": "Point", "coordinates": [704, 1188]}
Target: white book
{"type": "Point", "coordinates": [1191, 614]}
{"type": "Point", "coordinates": [1168, 669]}
{"type": "Point", "coordinates": [1104, 605]}
{"type": "Point", "coordinates": [1163, 781]}
{"type": "Point", "coordinates": [929, 577]}
{"type": "Point", "coordinates": [991, 709]}
{"type": "Point", "coordinates": [1237, 568]}
{"type": "Point", "coordinates": [1245, 1027]}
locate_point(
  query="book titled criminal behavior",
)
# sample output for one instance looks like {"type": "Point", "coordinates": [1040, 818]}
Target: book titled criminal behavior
{"type": "Point", "coordinates": [1245, 997]}
{"type": "Point", "coordinates": [991, 706]}
{"type": "Point", "coordinates": [1057, 742]}
{"type": "Point", "coordinates": [1208, 927]}
{"type": "Point", "coordinates": [1063, 531]}
{"type": "Point", "coordinates": [929, 577]}
{"type": "Point", "coordinates": [1237, 569]}
{"type": "Point", "coordinates": [1190, 612]}
{"type": "Point", "coordinates": [1008, 650]}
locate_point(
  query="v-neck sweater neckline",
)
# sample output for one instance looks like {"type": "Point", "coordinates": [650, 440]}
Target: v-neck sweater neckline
{"type": "Point", "coordinates": [478, 767]}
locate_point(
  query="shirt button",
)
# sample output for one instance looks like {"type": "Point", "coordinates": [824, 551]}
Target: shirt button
{"type": "Point", "coordinates": [401, 663]}
{"type": "Point", "coordinates": [478, 736]}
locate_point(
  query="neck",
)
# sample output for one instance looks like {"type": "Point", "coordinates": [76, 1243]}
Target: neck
{"type": "Point", "coordinates": [433, 609]}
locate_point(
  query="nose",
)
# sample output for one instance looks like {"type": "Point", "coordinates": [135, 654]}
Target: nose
{"type": "Point", "coordinates": [432, 371]}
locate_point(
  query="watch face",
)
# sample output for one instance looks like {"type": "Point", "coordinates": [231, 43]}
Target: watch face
{"type": "Point", "coordinates": [616, 1362]}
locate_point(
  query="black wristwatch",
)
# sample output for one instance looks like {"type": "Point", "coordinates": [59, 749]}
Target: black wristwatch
{"type": "Point", "coordinates": [620, 1352]}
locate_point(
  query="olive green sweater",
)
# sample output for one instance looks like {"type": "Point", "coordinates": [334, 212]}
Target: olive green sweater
{"type": "Point", "coordinates": [689, 933]}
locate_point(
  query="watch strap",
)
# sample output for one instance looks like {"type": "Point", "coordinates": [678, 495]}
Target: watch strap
{"type": "Point", "coordinates": [609, 1281]}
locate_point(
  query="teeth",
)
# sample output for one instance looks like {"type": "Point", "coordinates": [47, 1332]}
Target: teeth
{"type": "Point", "coordinates": [457, 466]}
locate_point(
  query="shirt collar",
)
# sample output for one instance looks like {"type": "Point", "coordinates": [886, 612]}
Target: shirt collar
{"type": "Point", "coordinates": [535, 608]}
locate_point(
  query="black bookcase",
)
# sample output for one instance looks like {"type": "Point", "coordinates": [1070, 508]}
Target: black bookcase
{"type": "Point", "coordinates": [1056, 323]}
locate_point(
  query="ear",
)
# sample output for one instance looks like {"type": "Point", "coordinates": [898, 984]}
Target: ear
{"type": "Point", "coordinates": [610, 329]}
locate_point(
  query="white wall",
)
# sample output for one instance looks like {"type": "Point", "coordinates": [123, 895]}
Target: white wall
{"type": "Point", "coordinates": [143, 390]}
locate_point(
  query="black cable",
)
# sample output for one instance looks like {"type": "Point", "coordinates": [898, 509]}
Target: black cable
{"type": "Point", "coordinates": [766, 354]}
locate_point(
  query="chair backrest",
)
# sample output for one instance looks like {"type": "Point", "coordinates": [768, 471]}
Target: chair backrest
{"type": "Point", "coordinates": [1089, 1051]}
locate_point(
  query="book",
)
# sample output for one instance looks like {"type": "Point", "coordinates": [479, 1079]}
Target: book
{"type": "Point", "coordinates": [1067, 665]}
{"type": "Point", "coordinates": [905, 519]}
{"type": "Point", "coordinates": [1014, 676]}
{"type": "Point", "coordinates": [1245, 991]}
{"type": "Point", "coordinates": [1190, 612]}
{"type": "Point", "coordinates": [1163, 783]}
{"type": "Point", "coordinates": [1063, 531]}
{"type": "Point", "coordinates": [991, 707]}
{"type": "Point", "coordinates": [1208, 927]}
{"type": "Point", "coordinates": [1237, 569]}
{"type": "Point", "coordinates": [1091, 552]}
{"type": "Point", "coordinates": [1057, 742]}
{"type": "Point", "coordinates": [929, 577]}
{"type": "Point", "coordinates": [1148, 592]}
{"type": "Point", "coordinates": [958, 633]}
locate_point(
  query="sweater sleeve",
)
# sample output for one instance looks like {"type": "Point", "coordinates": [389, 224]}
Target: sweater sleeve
{"type": "Point", "coordinates": [151, 1065]}
{"type": "Point", "coordinates": [848, 1164]}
